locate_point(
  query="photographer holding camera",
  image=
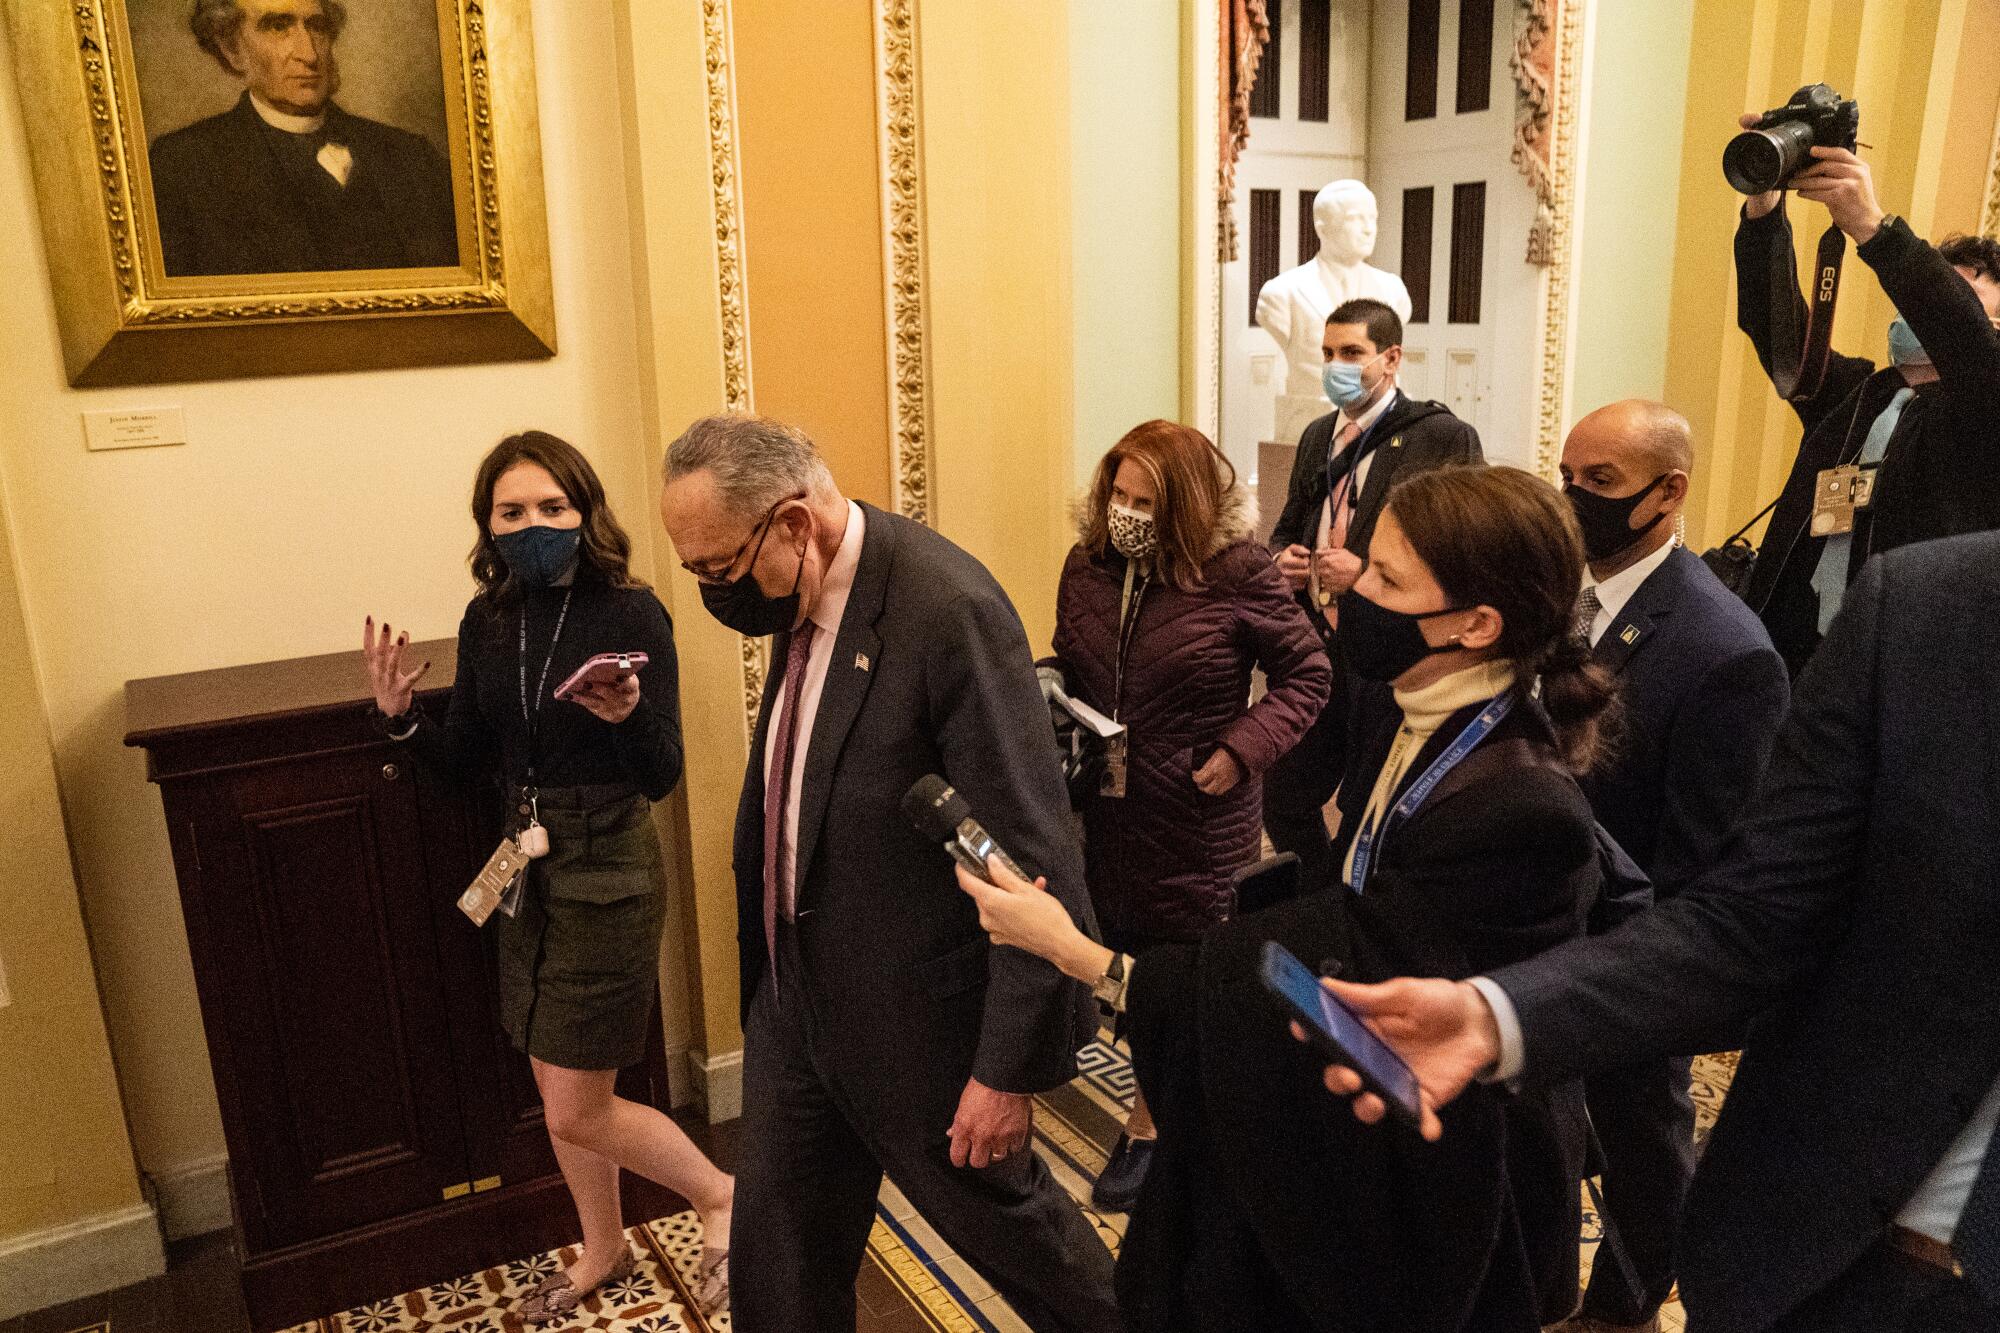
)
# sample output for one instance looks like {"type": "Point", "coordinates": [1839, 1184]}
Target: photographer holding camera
{"type": "Point", "coordinates": [1903, 454]}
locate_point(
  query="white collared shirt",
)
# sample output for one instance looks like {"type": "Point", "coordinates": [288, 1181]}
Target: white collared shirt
{"type": "Point", "coordinates": [285, 120]}
{"type": "Point", "coordinates": [1614, 592]}
{"type": "Point", "coordinates": [1361, 468]}
{"type": "Point", "coordinates": [828, 608]}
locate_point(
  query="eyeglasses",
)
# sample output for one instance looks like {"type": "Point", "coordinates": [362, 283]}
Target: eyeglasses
{"type": "Point", "coordinates": [710, 572]}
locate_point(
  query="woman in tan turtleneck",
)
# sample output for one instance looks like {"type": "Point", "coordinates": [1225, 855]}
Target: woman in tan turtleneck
{"type": "Point", "coordinates": [1264, 1209]}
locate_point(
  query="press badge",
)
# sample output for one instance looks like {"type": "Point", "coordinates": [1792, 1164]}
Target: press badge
{"type": "Point", "coordinates": [1837, 495]}
{"type": "Point", "coordinates": [496, 880]}
{"type": "Point", "coordinates": [1113, 781]}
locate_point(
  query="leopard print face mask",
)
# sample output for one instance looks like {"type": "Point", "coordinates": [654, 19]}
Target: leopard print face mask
{"type": "Point", "coordinates": [1134, 534]}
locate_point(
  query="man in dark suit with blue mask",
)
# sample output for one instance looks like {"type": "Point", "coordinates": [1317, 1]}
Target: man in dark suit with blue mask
{"type": "Point", "coordinates": [1703, 693]}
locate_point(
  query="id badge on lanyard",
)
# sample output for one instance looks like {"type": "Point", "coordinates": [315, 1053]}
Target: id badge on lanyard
{"type": "Point", "coordinates": [1116, 749]}
{"type": "Point", "coordinates": [1475, 731]}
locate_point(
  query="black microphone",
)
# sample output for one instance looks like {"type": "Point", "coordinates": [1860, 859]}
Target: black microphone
{"type": "Point", "coordinates": [940, 813]}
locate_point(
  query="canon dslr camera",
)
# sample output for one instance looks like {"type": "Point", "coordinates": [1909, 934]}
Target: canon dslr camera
{"type": "Point", "coordinates": [1767, 157]}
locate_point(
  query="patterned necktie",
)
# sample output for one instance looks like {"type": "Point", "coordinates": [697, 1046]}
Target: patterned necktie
{"type": "Point", "coordinates": [1339, 511]}
{"type": "Point", "coordinates": [1829, 578]}
{"type": "Point", "coordinates": [1976, 1242]}
{"type": "Point", "coordinates": [1587, 607]}
{"type": "Point", "coordinates": [780, 894]}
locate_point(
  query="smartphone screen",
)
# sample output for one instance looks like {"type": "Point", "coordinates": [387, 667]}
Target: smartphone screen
{"type": "Point", "coordinates": [1369, 1054]}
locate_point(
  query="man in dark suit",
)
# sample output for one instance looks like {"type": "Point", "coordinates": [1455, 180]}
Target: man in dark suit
{"type": "Point", "coordinates": [1923, 422]}
{"type": "Point", "coordinates": [1347, 462]}
{"type": "Point", "coordinates": [1703, 693]}
{"type": "Point", "coordinates": [882, 1032]}
{"type": "Point", "coordinates": [1852, 930]}
{"type": "Point", "coordinates": [286, 181]}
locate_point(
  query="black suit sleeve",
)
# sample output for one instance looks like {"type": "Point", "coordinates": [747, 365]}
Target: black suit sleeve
{"type": "Point", "coordinates": [649, 741]}
{"type": "Point", "coordinates": [1941, 307]}
{"type": "Point", "coordinates": [997, 748]}
{"type": "Point", "coordinates": [1716, 749]}
{"type": "Point", "coordinates": [1763, 252]}
{"type": "Point", "coordinates": [1304, 491]}
{"type": "Point", "coordinates": [1689, 975]}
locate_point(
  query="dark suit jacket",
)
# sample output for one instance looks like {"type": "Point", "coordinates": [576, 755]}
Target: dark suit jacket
{"type": "Point", "coordinates": [1703, 693]}
{"type": "Point", "coordinates": [931, 673]}
{"type": "Point", "coordinates": [1853, 917]}
{"type": "Point", "coordinates": [1363, 1230]}
{"type": "Point", "coordinates": [1941, 475]}
{"type": "Point", "coordinates": [230, 200]}
{"type": "Point", "coordinates": [1410, 437]}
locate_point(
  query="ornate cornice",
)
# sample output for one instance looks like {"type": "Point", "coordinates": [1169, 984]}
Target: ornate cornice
{"type": "Point", "coordinates": [726, 204]}
{"type": "Point", "coordinates": [1562, 210]}
{"type": "Point", "coordinates": [1989, 215]}
{"type": "Point", "coordinates": [901, 165]}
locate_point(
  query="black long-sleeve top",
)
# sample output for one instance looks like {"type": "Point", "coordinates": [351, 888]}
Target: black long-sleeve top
{"type": "Point", "coordinates": [1941, 473]}
{"type": "Point", "coordinates": [484, 732]}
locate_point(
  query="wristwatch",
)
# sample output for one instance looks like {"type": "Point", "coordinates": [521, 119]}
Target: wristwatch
{"type": "Point", "coordinates": [1112, 983]}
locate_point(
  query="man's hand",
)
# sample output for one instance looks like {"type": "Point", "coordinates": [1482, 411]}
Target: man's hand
{"type": "Point", "coordinates": [1443, 1030]}
{"type": "Point", "coordinates": [1338, 568]}
{"type": "Point", "coordinates": [1219, 774]}
{"type": "Point", "coordinates": [1757, 205]}
{"type": "Point", "coordinates": [990, 1125]}
{"type": "Point", "coordinates": [1842, 182]}
{"type": "Point", "coordinates": [1295, 563]}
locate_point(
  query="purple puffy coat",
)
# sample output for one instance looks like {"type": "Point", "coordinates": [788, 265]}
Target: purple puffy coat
{"type": "Point", "coordinates": [1159, 859]}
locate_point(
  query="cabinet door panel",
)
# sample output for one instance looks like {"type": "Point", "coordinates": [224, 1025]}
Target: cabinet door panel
{"type": "Point", "coordinates": [314, 889]}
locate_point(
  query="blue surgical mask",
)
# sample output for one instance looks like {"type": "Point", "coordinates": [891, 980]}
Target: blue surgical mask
{"type": "Point", "coordinates": [1342, 381]}
{"type": "Point", "coordinates": [538, 555]}
{"type": "Point", "coordinates": [1904, 349]}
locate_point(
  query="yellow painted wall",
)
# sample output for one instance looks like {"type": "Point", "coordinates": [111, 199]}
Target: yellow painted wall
{"type": "Point", "coordinates": [995, 84]}
{"type": "Point", "coordinates": [1922, 70]}
{"type": "Point", "coordinates": [64, 1155]}
{"type": "Point", "coordinates": [298, 506]}
{"type": "Point", "coordinates": [812, 225]}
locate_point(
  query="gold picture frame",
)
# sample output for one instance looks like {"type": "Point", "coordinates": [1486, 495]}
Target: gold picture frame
{"type": "Point", "coordinates": [124, 320]}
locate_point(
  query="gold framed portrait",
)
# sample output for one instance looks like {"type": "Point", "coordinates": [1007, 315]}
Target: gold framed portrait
{"type": "Point", "coordinates": [240, 188]}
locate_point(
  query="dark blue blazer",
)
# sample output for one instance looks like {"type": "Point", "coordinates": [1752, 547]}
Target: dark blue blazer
{"type": "Point", "coordinates": [1855, 917]}
{"type": "Point", "coordinates": [1703, 692]}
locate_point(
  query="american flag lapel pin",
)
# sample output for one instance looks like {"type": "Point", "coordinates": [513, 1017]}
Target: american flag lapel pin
{"type": "Point", "coordinates": [861, 661]}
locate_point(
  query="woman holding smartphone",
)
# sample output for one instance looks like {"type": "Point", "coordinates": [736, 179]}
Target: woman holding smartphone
{"type": "Point", "coordinates": [579, 936]}
{"type": "Point", "coordinates": [1268, 1206]}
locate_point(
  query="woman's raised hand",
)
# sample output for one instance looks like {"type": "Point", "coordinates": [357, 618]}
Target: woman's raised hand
{"type": "Point", "coordinates": [1030, 918]}
{"type": "Point", "coordinates": [393, 687]}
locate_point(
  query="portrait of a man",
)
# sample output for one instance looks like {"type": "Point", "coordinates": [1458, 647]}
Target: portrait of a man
{"type": "Point", "coordinates": [287, 180]}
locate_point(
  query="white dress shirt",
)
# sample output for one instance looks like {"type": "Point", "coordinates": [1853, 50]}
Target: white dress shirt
{"type": "Point", "coordinates": [1361, 469]}
{"type": "Point", "coordinates": [828, 608]}
{"type": "Point", "coordinates": [1614, 592]}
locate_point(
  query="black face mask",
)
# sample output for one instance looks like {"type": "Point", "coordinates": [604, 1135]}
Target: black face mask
{"type": "Point", "coordinates": [743, 606]}
{"type": "Point", "coordinates": [1607, 523]}
{"type": "Point", "coordinates": [1381, 644]}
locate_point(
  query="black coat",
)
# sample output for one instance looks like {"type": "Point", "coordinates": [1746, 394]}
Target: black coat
{"type": "Point", "coordinates": [930, 673]}
{"type": "Point", "coordinates": [235, 195]}
{"type": "Point", "coordinates": [1849, 930]}
{"type": "Point", "coordinates": [1265, 1189]}
{"type": "Point", "coordinates": [1703, 692]}
{"type": "Point", "coordinates": [1941, 474]}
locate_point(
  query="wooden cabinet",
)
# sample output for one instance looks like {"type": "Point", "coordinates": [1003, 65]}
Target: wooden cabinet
{"type": "Point", "coordinates": [382, 1131]}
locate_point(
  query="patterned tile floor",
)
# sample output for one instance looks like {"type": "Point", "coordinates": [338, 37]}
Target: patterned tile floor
{"type": "Point", "coordinates": [911, 1282]}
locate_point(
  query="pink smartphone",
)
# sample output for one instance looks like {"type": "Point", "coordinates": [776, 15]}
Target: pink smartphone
{"type": "Point", "coordinates": [601, 670]}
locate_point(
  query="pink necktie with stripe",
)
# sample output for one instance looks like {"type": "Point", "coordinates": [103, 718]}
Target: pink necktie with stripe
{"type": "Point", "coordinates": [779, 890]}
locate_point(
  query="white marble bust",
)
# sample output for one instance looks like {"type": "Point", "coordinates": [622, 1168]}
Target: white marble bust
{"type": "Point", "coordinates": [1293, 306]}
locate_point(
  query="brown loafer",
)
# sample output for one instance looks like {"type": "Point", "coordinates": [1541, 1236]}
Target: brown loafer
{"type": "Point", "coordinates": [557, 1297]}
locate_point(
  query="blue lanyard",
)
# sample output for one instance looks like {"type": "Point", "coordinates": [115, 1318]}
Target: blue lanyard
{"type": "Point", "coordinates": [1420, 790]}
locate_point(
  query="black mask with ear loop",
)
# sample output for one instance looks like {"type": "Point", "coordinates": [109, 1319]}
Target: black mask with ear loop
{"type": "Point", "coordinates": [1381, 644]}
{"type": "Point", "coordinates": [744, 607]}
{"type": "Point", "coordinates": [1607, 522]}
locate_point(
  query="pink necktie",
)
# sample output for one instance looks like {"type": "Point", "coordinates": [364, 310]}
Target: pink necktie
{"type": "Point", "coordinates": [779, 891]}
{"type": "Point", "coordinates": [1339, 511]}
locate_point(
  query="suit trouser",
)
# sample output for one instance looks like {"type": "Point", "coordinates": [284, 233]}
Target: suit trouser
{"type": "Point", "coordinates": [810, 1171]}
{"type": "Point", "coordinates": [1303, 779]}
{"type": "Point", "coordinates": [1888, 1292]}
{"type": "Point", "coordinates": [1645, 1123]}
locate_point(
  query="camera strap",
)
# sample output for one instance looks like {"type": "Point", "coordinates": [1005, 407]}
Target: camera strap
{"type": "Point", "coordinates": [1798, 357]}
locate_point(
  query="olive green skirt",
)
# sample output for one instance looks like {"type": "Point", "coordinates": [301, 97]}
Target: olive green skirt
{"type": "Point", "coordinates": [579, 962]}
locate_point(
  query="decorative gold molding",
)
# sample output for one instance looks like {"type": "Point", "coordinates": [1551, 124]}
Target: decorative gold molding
{"type": "Point", "coordinates": [1989, 215]}
{"type": "Point", "coordinates": [903, 257]}
{"type": "Point", "coordinates": [726, 202]}
{"type": "Point", "coordinates": [1556, 288]}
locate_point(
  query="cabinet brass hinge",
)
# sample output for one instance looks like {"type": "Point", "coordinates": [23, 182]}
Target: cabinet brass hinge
{"type": "Point", "coordinates": [485, 1183]}
{"type": "Point", "coordinates": [458, 1191]}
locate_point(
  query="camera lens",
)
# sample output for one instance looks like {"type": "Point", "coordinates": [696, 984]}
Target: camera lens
{"type": "Point", "coordinates": [1760, 160]}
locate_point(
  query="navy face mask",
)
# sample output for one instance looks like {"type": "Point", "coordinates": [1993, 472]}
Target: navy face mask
{"type": "Point", "coordinates": [537, 555]}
